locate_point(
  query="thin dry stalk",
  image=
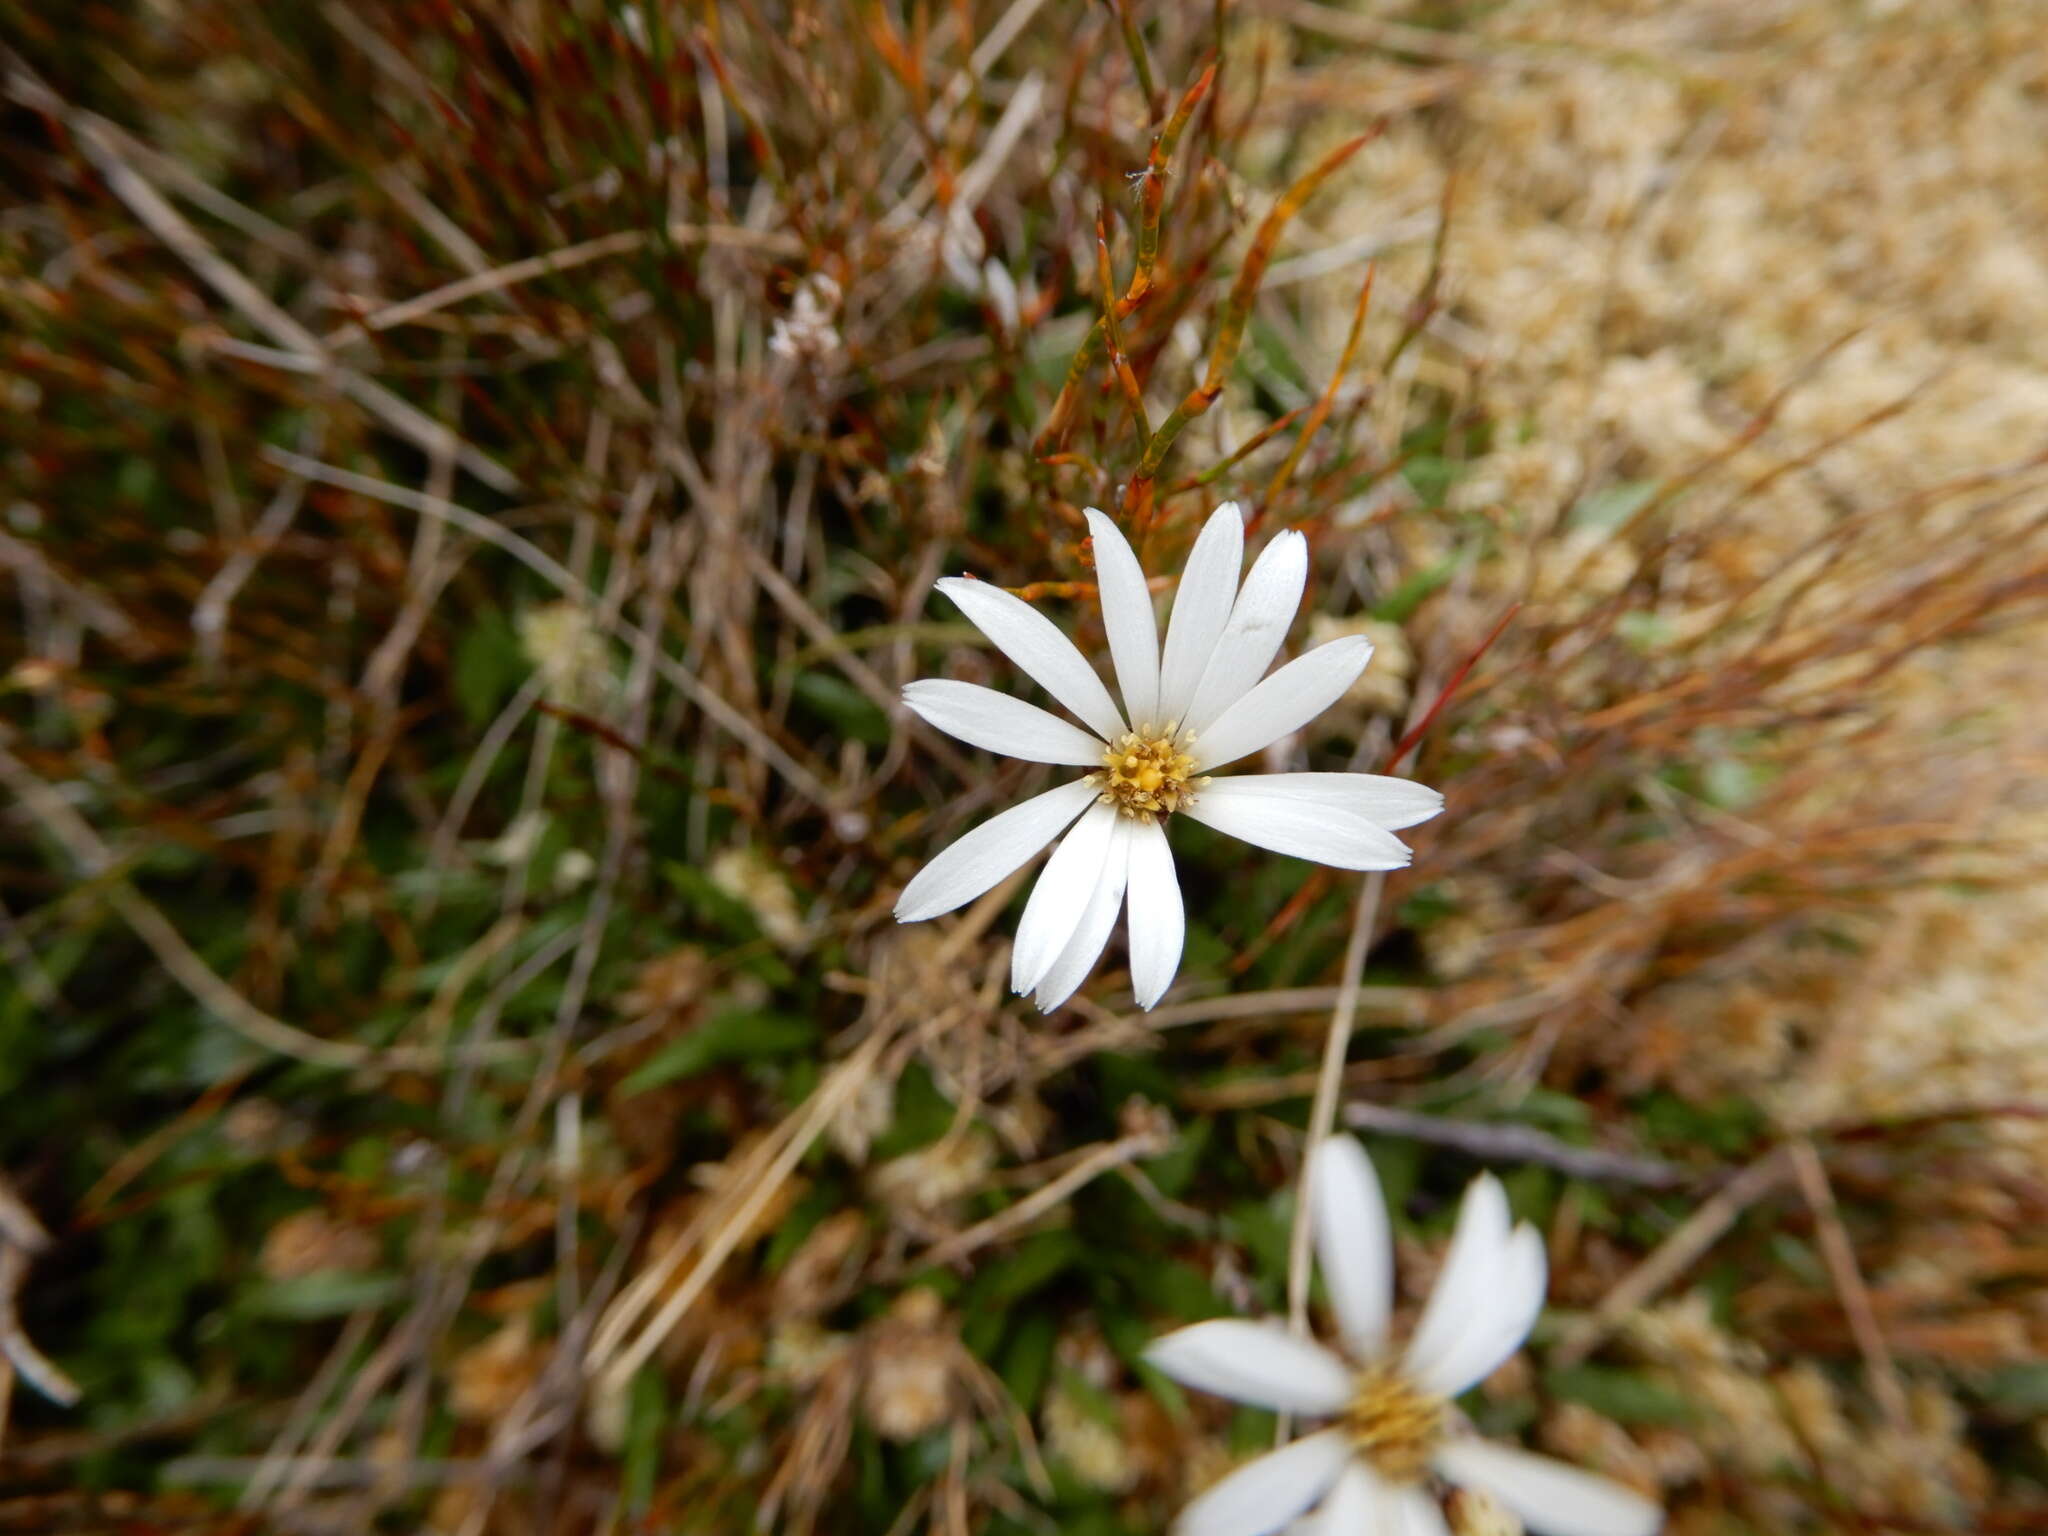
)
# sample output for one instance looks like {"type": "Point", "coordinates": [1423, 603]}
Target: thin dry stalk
{"type": "Point", "coordinates": [1672, 1257]}
{"type": "Point", "coordinates": [1855, 1295]}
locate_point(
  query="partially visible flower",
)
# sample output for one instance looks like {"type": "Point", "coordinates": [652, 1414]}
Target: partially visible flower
{"type": "Point", "coordinates": [571, 654]}
{"type": "Point", "coordinates": [572, 869]}
{"type": "Point", "coordinates": [933, 1177]}
{"type": "Point", "coordinates": [806, 334]}
{"type": "Point", "coordinates": [912, 1359]}
{"type": "Point", "coordinates": [1197, 704]}
{"type": "Point", "coordinates": [1081, 1434]}
{"type": "Point", "coordinates": [1396, 1428]}
{"type": "Point", "coordinates": [799, 1351]}
{"type": "Point", "coordinates": [519, 841]}
{"type": "Point", "coordinates": [756, 884]}
{"type": "Point", "coordinates": [964, 254]}
{"type": "Point", "coordinates": [868, 1111]}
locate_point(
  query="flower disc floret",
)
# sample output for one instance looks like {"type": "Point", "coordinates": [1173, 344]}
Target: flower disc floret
{"type": "Point", "coordinates": [1394, 1425]}
{"type": "Point", "coordinates": [1148, 773]}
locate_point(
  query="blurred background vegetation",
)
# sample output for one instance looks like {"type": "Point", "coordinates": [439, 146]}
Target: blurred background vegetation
{"type": "Point", "coordinates": [471, 476]}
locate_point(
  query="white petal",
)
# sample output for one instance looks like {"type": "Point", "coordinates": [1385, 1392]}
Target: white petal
{"type": "Point", "coordinates": [1385, 802]}
{"type": "Point", "coordinates": [1154, 915]}
{"type": "Point", "coordinates": [1348, 1215]}
{"type": "Point", "coordinates": [1416, 1513]}
{"type": "Point", "coordinates": [1078, 958]}
{"type": "Point", "coordinates": [1127, 618]}
{"type": "Point", "coordinates": [1547, 1495]}
{"type": "Point", "coordinates": [1061, 896]}
{"type": "Point", "coordinates": [1034, 642]}
{"type": "Point", "coordinates": [981, 717]}
{"type": "Point", "coordinates": [1507, 1313]}
{"type": "Point", "coordinates": [1264, 1495]}
{"type": "Point", "coordinates": [1243, 808]}
{"type": "Point", "coordinates": [1465, 1298]}
{"type": "Point", "coordinates": [1360, 1505]}
{"type": "Point", "coordinates": [1001, 289]}
{"type": "Point", "coordinates": [1284, 702]}
{"type": "Point", "coordinates": [1257, 1363]}
{"type": "Point", "coordinates": [1258, 623]}
{"type": "Point", "coordinates": [978, 860]}
{"type": "Point", "coordinates": [1200, 608]}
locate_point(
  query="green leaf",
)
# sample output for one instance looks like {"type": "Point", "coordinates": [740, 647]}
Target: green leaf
{"type": "Point", "coordinates": [1398, 1163]}
{"type": "Point", "coordinates": [1799, 1257]}
{"type": "Point", "coordinates": [1532, 1193]}
{"type": "Point", "coordinates": [646, 1418]}
{"type": "Point", "coordinates": [1171, 1289]}
{"type": "Point", "coordinates": [1643, 630]}
{"type": "Point", "coordinates": [1399, 605]}
{"type": "Point", "coordinates": [1729, 1126]}
{"type": "Point", "coordinates": [1262, 1227]}
{"type": "Point", "coordinates": [1129, 1338]}
{"type": "Point", "coordinates": [1431, 477]}
{"type": "Point", "coordinates": [1174, 1169]}
{"type": "Point", "coordinates": [1731, 783]}
{"type": "Point", "coordinates": [1089, 1398]}
{"type": "Point", "coordinates": [800, 1223]}
{"type": "Point", "coordinates": [1428, 904]}
{"type": "Point", "coordinates": [1027, 1358]}
{"type": "Point", "coordinates": [743, 1034]}
{"type": "Point", "coordinates": [707, 903]}
{"type": "Point", "coordinates": [1611, 505]}
{"type": "Point", "coordinates": [488, 666]}
{"type": "Point", "coordinates": [1627, 1397]}
{"type": "Point", "coordinates": [331, 1293]}
{"type": "Point", "coordinates": [1250, 1431]}
{"type": "Point", "coordinates": [842, 706]}
{"type": "Point", "coordinates": [923, 1115]}
{"type": "Point", "coordinates": [2019, 1390]}
{"type": "Point", "coordinates": [1030, 1265]}
{"type": "Point", "coordinates": [1558, 1111]}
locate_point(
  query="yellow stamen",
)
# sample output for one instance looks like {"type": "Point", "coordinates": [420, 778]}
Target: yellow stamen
{"type": "Point", "coordinates": [1147, 774]}
{"type": "Point", "coordinates": [1394, 1425]}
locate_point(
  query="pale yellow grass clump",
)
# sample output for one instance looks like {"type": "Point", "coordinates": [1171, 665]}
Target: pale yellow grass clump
{"type": "Point", "coordinates": [1664, 212]}
{"type": "Point", "coordinates": [1665, 218]}
{"type": "Point", "coordinates": [1779, 272]}
{"type": "Point", "coordinates": [1766, 1424]}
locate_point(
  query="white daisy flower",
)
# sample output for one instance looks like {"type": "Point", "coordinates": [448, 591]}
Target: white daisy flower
{"type": "Point", "coordinates": [1195, 706]}
{"type": "Point", "coordinates": [1395, 1428]}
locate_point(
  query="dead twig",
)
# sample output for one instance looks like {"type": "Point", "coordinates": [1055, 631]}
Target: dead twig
{"type": "Point", "coordinates": [1105, 1158]}
{"type": "Point", "coordinates": [1518, 1144]}
{"type": "Point", "coordinates": [1840, 1256]}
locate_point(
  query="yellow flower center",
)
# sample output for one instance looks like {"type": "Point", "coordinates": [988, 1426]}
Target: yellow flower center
{"type": "Point", "coordinates": [1394, 1425]}
{"type": "Point", "coordinates": [1146, 773]}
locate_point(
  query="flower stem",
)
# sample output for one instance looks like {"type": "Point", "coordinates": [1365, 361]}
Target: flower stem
{"type": "Point", "coordinates": [1322, 1117]}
